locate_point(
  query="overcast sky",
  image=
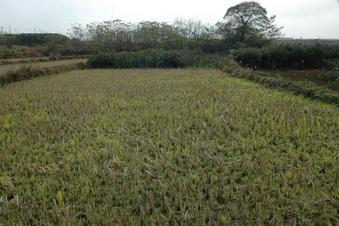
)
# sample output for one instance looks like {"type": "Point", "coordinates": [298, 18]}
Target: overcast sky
{"type": "Point", "coordinates": [300, 18]}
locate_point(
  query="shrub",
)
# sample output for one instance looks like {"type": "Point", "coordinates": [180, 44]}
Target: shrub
{"type": "Point", "coordinates": [32, 39]}
{"type": "Point", "coordinates": [287, 56]}
{"type": "Point", "coordinates": [154, 58]}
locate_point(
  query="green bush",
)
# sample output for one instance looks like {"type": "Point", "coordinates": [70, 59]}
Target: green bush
{"type": "Point", "coordinates": [32, 39]}
{"type": "Point", "coordinates": [287, 56]}
{"type": "Point", "coordinates": [154, 58]}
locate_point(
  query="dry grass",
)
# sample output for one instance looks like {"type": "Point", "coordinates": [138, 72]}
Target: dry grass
{"type": "Point", "coordinates": [39, 59]}
{"type": "Point", "coordinates": [42, 65]}
{"type": "Point", "coordinates": [314, 84]}
{"type": "Point", "coordinates": [327, 78]}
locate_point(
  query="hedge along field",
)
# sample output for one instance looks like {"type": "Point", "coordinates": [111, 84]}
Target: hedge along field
{"type": "Point", "coordinates": [155, 58]}
{"type": "Point", "coordinates": [288, 56]}
{"type": "Point", "coordinates": [166, 147]}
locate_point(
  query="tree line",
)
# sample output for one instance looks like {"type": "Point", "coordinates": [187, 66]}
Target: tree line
{"type": "Point", "coordinates": [118, 35]}
{"type": "Point", "coordinates": [246, 24]}
{"type": "Point", "coordinates": [246, 31]}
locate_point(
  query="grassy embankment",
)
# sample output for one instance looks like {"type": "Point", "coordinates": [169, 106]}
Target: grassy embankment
{"type": "Point", "coordinates": [315, 84]}
{"type": "Point", "coordinates": [23, 71]}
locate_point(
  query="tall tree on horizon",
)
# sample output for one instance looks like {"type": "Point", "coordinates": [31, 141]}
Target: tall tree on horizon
{"type": "Point", "coordinates": [247, 22]}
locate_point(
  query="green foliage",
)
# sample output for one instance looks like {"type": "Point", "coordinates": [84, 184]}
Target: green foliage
{"type": "Point", "coordinates": [27, 39]}
{"type": "Point", "coordinates": [247, 24]}
{"type": "Point", "coordinates": [164, 147]}
{"type": "Point", "coordinates": [154, 58]}
{"type": "Point", "coordinates": [333, 42]}
{"type": "Point", "coordinates": [118, 35]}
{"type": "Point", "coordinates": [287, 56]}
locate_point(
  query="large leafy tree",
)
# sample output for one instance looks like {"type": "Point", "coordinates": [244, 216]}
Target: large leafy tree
{"type": "Point", "coordinates": [248, 23]}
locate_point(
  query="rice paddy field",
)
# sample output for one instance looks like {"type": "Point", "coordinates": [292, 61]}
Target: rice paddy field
{"type": "Point", "coordinates": [164, 147]}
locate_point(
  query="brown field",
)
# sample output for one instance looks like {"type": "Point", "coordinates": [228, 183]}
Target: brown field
{"type": "Point", "coordinates": [39, 59]}
{"type": "Point", "coordinates": [23, 60]}
{"type": "Point", "coordinates": [13, 67]}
